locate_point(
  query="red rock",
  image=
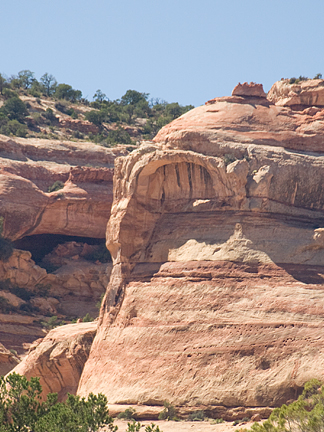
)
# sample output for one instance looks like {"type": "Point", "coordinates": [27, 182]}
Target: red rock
{"type": "Point", "coordinates": [250, 90]}
{"type": "Point", "coordinates": [298, 95]}
{"type": "Point", "coordinates": [29, 167]}
{"type": "Point", "coordinates": [59, 358]}
{"type": "Point", "coordinates": [216, 295]}
{"type": "Point", "coordinates": [83, 126]}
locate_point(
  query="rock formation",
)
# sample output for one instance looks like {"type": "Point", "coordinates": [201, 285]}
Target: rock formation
{"type": "Point", "coordinates": [72, 291]}
{"type": "Point", "coordinates": [216, 297]}
{"type": "Point", "coordinates": [29, 167]}
{"type": "Point", "coordinates": [58, 359]}
{"type": "Point", "coordinates": [76, 212]}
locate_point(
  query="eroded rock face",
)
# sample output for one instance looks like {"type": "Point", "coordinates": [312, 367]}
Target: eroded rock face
{"type": "Point", "coordinates": [249, 90]}
{"type": "Point", "coordinates": [29, 167]}
{"type": "Point", "coordinates": [58, 359]}
{"type": "Point", "coordinates": [216, 296]}
{"type": "Point", "coordinates": [73, 290]}
{"type": "Point", "coordinates": [308, 93]}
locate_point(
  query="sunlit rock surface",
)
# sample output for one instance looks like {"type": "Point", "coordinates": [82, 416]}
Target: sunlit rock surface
{"type": "Point", "coordinates": [216, 297]}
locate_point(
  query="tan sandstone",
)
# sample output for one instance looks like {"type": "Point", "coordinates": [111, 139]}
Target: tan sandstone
{"type": "Point", "coordinates": [28, 167]}
{"type": "Point", "coordinates": [216, 297]}
{"type": "Point", "coordinates": [58, 359]}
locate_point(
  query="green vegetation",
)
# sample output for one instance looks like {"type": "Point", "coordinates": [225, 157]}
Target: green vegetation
{"type": "Point", "coordinates": [56, 186]}
{"type": "Point", "coordinates": [229, 158]}
{"type": "Point", "coordinates": [304, 415]}
{"type": "Point", "coordinates": [51, 323]}
{"type": "Point", "coordinates": [133, 427]}
{"type": "Point", "coordinates": [294, 80]}
{"type": "Point", "coordinates": [218, 421]}
{"type": "Point", "coordinates": [25, 111]}
{"type": "Point", "coordinates": [87, 318]}
{"type": "Point", "coordinates": [22, 410]}
{"type": "Point", "coordinates": [169, 412]}
{"type": "Point", "coordinates": [128, 414]}
{"type": "Point", "coordinates": [196, 416]}
{"type": "Point", "coordinates": [152, 428]}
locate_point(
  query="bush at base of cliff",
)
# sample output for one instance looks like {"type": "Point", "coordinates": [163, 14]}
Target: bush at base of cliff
{"type": "Point", "coordinates": [306, 414]}
{"type": "Point", "coordinates": [21, 409]}
{"type": "Point", "coordinates": [169, 412]}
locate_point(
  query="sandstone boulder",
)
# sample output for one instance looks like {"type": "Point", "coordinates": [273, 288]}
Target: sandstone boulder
{"type": "Point", "coordinates": [58, 359]}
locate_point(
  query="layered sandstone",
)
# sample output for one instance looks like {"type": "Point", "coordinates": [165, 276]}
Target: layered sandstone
{"type": "Point", "coordinates": [216, 297]}
{"type": "Point", "coordinates": [303, 94]}
{"type": "Point", "coordinates": [29, 213]}
{"type": "Point", "coordinates": [72, 291]}
{"type": "Point", "coordinates": [28, 167]}
{"type": "Point", "coordinates": [59, 358]}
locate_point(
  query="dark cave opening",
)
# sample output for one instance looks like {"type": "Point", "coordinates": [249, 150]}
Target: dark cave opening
{"type": "Point", "coordinates": [42, 244]}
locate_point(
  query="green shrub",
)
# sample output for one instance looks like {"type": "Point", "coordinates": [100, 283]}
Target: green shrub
{"type": "Point", "coordinates": [15, 109]}
{"type": "Point", "coordinates": [77, 135]}
{"type": "Point", "coordinates": [228, 159]}
{"type": "Point", "coordinates": [218, 421]}
{"type": "Point", "coordinates": [13, 127]}
{"type": "Point", "coordinates": [128, 414]}
{"type": "Point", "coordinates": [152, 428]}
{"type": "Point", "coordinates": [22, 409]}
{"type": "Point", "coordinates": [133, 427]}
{"type": "Point", "coordinates": [61, 106]}
{"type": "Point", "coordinates": [87, 318]}
{"type": "Point", "coordinates": [118, 136]}
{"type": "Point", "coordinates": [98, 304]}
{"type": "Point", "coordinates": [56, 186]}
{"type": "Point", "coordinates": [49, 114]}
{"type": "Point", "coordinates": [197, 416]}
{"type": "Point", "coordinates": [169, 412]}
{"type": "Point", "coordinates": [65, 91]}
{"type": "Point", "coordinates": [51, 323]}
{"type": "Point", "coordinates": [95, 117]}
{"type": "Point", "coordinates": [7, 93]}
{"type": "Point", "coordinates": [306, 414]}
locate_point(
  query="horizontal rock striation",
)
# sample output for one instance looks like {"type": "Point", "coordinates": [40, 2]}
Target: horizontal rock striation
{"type": "Point", "coordinates": [216, 297]}
{"type": "Point", "coordinates": [28, 168]}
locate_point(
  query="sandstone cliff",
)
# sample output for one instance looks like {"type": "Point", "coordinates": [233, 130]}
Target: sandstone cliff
{"type": "Point", "coordinates": [37, 283]}
{"type": "Point", "coordinates": [28, 167]}
{"type": "Point", "coordinates": [216, 297]}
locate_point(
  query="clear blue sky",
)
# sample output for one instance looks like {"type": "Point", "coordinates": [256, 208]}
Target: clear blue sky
{"type": "Point", "coordinates": [185, 51]}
